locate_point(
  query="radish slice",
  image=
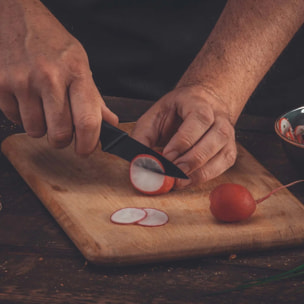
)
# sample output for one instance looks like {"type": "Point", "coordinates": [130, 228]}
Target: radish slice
{"type": "Point", "coordinates": [154, 218]}
{"type": "Point", "coordinates": [146, 175]}
{"type": "Point", "coordinates": [128, 215]}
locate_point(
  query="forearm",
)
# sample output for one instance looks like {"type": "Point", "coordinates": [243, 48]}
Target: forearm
{"type": "Point", "coordinates": [247, 39]}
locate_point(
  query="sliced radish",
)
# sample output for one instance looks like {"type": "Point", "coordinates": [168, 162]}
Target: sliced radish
{"type": "Point", "coordinates": [128, 215]}
{"type": "Point", "coordinates": [146, 175]}
{"type": "Point", "coordinates": [289, 134]}
{"type": "Point", "coordinates": [154, 218]}
{"type": "Point", "coordinates": [284, 125]}
{"type": "Point", "coordinates": [299, 133]}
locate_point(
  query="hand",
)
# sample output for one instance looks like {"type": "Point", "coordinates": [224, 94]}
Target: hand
{"type": "Point", "coordinates": [196, 130]}
{"type": "Point", "coordinates": [46, 83]}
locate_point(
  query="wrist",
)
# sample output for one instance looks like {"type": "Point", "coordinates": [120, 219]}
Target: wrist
{"type": "Point", "coordinates": [208, 93]}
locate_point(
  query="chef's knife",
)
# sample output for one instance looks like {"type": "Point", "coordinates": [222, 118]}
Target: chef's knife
{"type": "Point", "coordinates": [118, 142]}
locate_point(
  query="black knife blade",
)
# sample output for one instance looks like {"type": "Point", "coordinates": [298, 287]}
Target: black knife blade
{"type": "Point", "coordinates": [118, 142]}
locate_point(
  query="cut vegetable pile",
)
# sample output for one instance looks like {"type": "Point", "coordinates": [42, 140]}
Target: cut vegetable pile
{"type": "Point", "coordinates": [149, 217]}
{"type": "Point", "coordinates": [296, 134]}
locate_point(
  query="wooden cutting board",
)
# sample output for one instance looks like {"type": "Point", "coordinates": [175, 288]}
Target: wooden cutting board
{"type": "Point", "coordinates": [81, 194]}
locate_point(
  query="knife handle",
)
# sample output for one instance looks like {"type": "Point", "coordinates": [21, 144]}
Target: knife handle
{"type": "Point", "coordinates": [110, 135]}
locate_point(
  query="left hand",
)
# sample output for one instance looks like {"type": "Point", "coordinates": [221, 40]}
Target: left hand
{"type": "Point", "coordinates": [195, 128]}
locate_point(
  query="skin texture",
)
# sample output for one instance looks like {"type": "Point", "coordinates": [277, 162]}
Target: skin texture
{"type": "Point", "coordinates": [196, 120]}
{"type": "Point", "coordinates": [46, 83]}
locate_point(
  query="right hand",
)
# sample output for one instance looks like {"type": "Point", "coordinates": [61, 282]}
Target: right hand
{"type": "Point", "coordinates": [46, 83]}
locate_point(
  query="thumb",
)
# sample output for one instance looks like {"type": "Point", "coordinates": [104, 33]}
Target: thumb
{"type": "Point", "coordinates": [109, 116]}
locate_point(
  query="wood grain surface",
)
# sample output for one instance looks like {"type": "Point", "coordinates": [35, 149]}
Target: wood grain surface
{"type": "Point", "coordinates": [81, 194]}
{"type": "Point", "coordinates": [40, 264]}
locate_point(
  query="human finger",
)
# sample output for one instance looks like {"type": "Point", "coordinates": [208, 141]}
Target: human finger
{"type": "Point", "coordinates": [87, 107]}
{"type": "Point", "coordinates": [57, 113]}
{"type": "Point", "coordinates": [207, 147]}
{"type": "Point", "coordinates": [32, 114]}
{"type": "Point", "coordinates": [213, 168]}
{"type": "Point", "coordinates": [108, 115]}
{"type": "Point", "coordinates": [9, 106]}
{"type": "Point", "coordinates": [194, 126]}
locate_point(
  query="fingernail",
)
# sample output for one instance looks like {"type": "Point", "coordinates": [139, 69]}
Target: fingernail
{"type": "Point", "coordinates": [171, 155]}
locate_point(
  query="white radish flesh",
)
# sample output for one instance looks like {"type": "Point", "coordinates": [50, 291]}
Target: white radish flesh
{"type": "Point", "coordinates": [154, 218]}
{"type": "Point", "coordinates": [299, 134]}
{"type": "Point", "coordinates": [146, 175]}
{"type": "Point", "coordinates": [146, 180]}
{"type": "Point", "coordinates": [284, 125]}
{"type": "Point", "coordinates": [128, 215]}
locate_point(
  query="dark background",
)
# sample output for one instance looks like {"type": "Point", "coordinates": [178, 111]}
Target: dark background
{"type": "Point", "coordinates": [140, 49]}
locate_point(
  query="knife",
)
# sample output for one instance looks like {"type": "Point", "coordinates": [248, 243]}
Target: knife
{"type": "Point", "coordinates": [118, 142]}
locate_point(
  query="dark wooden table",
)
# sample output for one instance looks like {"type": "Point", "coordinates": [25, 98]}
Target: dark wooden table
{"type": "Point", "coordinates": [39, 264]}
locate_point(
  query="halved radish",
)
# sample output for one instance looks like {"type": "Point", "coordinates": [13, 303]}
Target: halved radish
{"type": "Point", "coordinates": [284, 125]}
{"type": "Point", "coordinates": [289, 134]}
{"type": "Point", "coordinates": [154, 218]}
{"type": "Point", "coordinates": [128, 215]}
{"type": "Point", "coordinates": [146, 175]}
{"type": "Point", "coordinates": [299, 134]}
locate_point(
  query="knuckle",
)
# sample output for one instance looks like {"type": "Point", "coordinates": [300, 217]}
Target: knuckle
{"type": "Point", "coordinates": [76, 59]}
{"type": "Point", "coordinates": [20, 80]}
{"type": "Point", "coordinates": [201, 156]}
{"type": "Point", "coordinates": [225, 129]}
{"type": "Point", "coordinates": [60, 139]}
{"type": "Point", "coordinates": [201, 176]}
{"type": "Point", "coordinates": [230, 157]}
{"type": "Point", "coordinates": [185, 139]}
{"type": "Point", "coordinates": [76, 49]}
{"type": "Point", "coordinates": [35, 133]}
{"type": "Point", "coordinates": [88, 123]}
{"type": "Point", "coordinates": [34, 127]}
{"type": "Point", "coordinates": [46, 74]}
{"type": "Point", "coordinates": [77, 64]}
{"type": "Point", "coordinates": [205, 115]}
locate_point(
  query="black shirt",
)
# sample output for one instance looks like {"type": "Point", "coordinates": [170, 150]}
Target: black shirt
{"type": "Point", "coordinates": [140, 49]}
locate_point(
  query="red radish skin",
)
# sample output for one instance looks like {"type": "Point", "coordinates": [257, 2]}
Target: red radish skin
{"type": "Point", "coordinates": [233, 202]}
{"type": "Point", "coordinates": [146, 181]}
{"type": "Point", "coordinates": [299, 133]}
{"type": "Point", "coordinates": [284, 125]}
{"type": "Point", "coordinates": [289, 134]}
